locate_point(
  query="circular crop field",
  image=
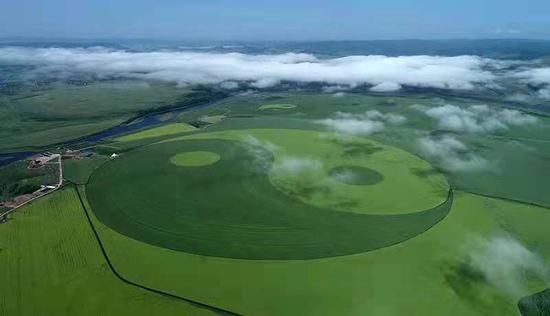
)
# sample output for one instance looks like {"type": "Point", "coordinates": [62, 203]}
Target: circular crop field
{"type": "Point", "coordinates": [243, 194]}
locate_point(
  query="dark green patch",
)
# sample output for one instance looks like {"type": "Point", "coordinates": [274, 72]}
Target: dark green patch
{"type": "Point", "coordinates": [535, 305]}
{"type": "Point", "coordinates": [425, 173]}
{"type": "Point", "coordinates": [309, 190]}
{"type": "Point", "coordinates": [354, 148]}
{"type": "Point", "coordinates": [464, 280]}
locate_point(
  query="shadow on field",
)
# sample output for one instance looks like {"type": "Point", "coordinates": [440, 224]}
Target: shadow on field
{"type": "Point", "coordinates": [463, 279]}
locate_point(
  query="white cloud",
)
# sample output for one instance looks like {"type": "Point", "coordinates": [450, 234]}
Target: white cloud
{"type": "Point", "coordinates": [297, 165]}
{"type": "Point", "coordinates": [362, 123]}
{"type": "Point", "coordinates": [345, 176]}
{"type": "Point", "coordinates": [386, 86]}
{"type": "Point", "coordinates": [451, 154]}
{"type": "Point", "coordinates": [261, 151]}
{"type": "Point", "coordinates": [335, 88]}
{"type": "Point", "coordinates": [185, 67]}
{"type": "Point", "coordinates": [229, 85]}
{"type": "Point", "coordinates": [391, 118]}
{"type": "Point", "coordinates": [476, 118]}
{"type": "Point", "coordinates": [537, 76]}
{"type": "Point", "coordinates": [353, 126]}
{"type": "Point", "coordinates": [507, 31]}
{"type": "Point", "coordinates": [544, 94]}
{"type": "Point", "coordinates": [506, 264]}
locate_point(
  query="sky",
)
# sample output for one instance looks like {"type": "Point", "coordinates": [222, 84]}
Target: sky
{"type": "Point", "coordinates": [275, 19]}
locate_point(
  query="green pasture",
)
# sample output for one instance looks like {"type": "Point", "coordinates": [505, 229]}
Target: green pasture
{"type": "Point", "coordinates": [194, 158]}
{"type": "Point", "coordinates": [64, 112]}
{"type": "Point", "coordinates": [167, 129]}
{"type": "Point", "coordinates": [212, 119]}
{"type": "Point", "coordinates": [144, 195]}
{"type": "Point", "coordinates": [420, 187]}
{"type": "Point", "coordinates": [78, 171]}
{"type": "Point", "coordinates": [355, 175]}
{"type": "Point", "coordinates": [278, 106]}
{"type": "Point", "coordinates": [52, 265]}
{"type": "Point", "coordinates": [266, 212]}
{"type": "Point", "coordinates": [429, 274]}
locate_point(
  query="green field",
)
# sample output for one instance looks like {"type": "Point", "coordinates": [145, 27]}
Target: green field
{"type": "Point", "coordinates": [277, 106]}
{"type": "Point", "coordinates": [426, 274]}
{"type": "Point", "coordinates": [39, 118]}
{"type": "Point", "coordinates": [78, 171]}
{"type": "Point", "coordinates": [285, 214]}
{"type": "Point", "coordinates": [267, 211]}
{"type": "Point", "coordinates": [195, 158]}
{"type": "Point", "coordinates": [355, 175]}
{"type": "Point", "coordinates": [167, 129]}
{"type": "Point", "coordinates": [52, 265]}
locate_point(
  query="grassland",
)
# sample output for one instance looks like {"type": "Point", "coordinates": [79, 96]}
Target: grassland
{"type": "Point", "coordinates": [212, 119]}
{"type": "Point", "coordinates": [78, 171]}
{"type": "Point", "coordinates": [519, 153]}
{"type": "Point", "coordinates": [369, 248]}
{"type": "Point", "coordinates": [167, 129]}
{"type": "Point", "coordinates": [428, 274]}
{"type": "Point", "coordinates": [194, 158]}
{"type": "Point", "coordinates": [38, 118]}
{"type": "Point", "coordinates": [279, 106]}
{"type": "Point", "coordinates": [355, 175]}
{"type": "Point", "coordinates": [52, 265]}
{"type": "Point", "coordinates": [259, 220]}
{"type": "Point", "coordinates": [304, 158]}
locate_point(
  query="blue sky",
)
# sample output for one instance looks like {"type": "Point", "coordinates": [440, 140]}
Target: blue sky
{"type": "Point", "coordinates": [276, 20]}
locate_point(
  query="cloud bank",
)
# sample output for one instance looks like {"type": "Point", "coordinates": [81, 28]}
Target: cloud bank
{"type": "Point", "coordinates": [362, 123]}
{"type": "Point", "coordinates": [451, 154]}
{"type": "Point", "coordinates": [261, 71]}
{"type": "Point", "coordinates": [536, 76]}
{"type": "Point", "coordinates": [476, 118]}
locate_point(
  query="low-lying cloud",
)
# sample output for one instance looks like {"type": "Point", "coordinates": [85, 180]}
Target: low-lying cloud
{"type": "Point", "coordinates": [297, 165]}
{"type": "Point", "coordinates": [536, 76]}
{"type": "Point", "coordinates": [262, 151]}
{"type": "Point", "coordinates": [364, 123]}
{"type": "Point", "coordinates": [383, 73]}
{"type": "Point", "coordinates": [507, 264]}
{"type": "Point", "coordinates": [286, 165]}
{"type": "Point", "coordinates": [451, 154]}
{"type": "Point", "coordinates": [476, 118]}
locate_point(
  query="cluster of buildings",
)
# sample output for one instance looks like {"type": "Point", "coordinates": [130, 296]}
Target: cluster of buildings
{"type": "Point", "coordinates": [38, 161]}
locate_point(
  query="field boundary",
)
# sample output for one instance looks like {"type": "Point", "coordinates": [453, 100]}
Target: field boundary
{"type": "Point", "coordinates": [504, 198]}
{"type": "Point", "coordinates": [123, 279]}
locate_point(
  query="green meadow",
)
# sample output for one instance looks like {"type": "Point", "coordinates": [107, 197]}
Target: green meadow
{"type": "Point", "coordinates": [270, 209]}
{"type": "Point", "coordinates": [53, 265]}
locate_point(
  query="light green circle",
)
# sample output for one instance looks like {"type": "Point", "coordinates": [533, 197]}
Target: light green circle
{"type": "Point", "coordinates": [195, 159]}
{"type": "Point", "coordinates": [279, 106]}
